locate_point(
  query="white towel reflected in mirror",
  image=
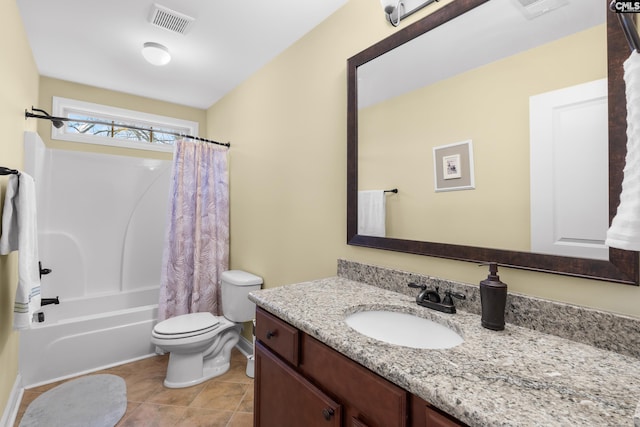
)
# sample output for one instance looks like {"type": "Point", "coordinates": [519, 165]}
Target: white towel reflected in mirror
{"type": "Point", "coordinates": [371, 213]}
{"type": "Point", "coordinates": [624, 232]}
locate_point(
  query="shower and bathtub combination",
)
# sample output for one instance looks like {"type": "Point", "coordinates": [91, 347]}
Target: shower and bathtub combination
{"type": "Point", "coordinates": [101, 224]}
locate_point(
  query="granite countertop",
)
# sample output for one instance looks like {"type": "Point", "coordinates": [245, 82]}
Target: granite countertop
{"type": "Point", "coordinates": [515, 377]}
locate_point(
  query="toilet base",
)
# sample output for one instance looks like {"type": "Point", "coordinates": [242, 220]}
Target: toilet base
{"type": "Point", "coordinates": [189, 369]}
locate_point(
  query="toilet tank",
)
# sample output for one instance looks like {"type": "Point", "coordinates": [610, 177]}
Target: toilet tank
{"type": "Point", "coordinates": [236, 285]}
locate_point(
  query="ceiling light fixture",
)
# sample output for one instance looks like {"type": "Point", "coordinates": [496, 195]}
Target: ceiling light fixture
{"type": "Point", "coordinates": [396, 10]}
{"type": "Point", "coordinates": [156, 54]}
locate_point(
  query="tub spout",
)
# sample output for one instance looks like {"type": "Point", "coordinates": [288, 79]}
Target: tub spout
{"type": "Point", "coordinates": [47, 301]}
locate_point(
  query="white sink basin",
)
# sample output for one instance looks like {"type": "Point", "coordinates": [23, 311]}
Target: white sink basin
{"type": "Point", "coordinates": [403, 329]}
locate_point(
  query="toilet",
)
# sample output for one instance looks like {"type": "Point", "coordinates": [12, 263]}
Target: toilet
{"type": "Point", "coordinates": [200, 344]}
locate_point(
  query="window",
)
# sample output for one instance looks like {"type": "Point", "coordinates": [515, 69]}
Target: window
{"type": "Point", "coordinates": [152, 134]}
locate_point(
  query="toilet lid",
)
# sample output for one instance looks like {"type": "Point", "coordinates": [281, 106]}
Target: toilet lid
{"type": "Point", "coordinates": [187, 323]}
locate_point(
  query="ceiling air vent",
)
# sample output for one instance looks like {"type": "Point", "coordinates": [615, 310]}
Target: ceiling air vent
{"type": "Point", "coordinates": [171, 20]}
{"type": "Point", "coordinates": [535, 8]}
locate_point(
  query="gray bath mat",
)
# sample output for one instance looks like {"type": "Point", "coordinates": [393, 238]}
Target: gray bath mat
{"type": "Point", "coordinates": [91, 401]}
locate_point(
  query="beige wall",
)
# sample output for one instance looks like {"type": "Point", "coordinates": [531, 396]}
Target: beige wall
{"type": "Point", "coordinates": [18, 90]}
{"type": "Point", "coordinates": [287, 127]}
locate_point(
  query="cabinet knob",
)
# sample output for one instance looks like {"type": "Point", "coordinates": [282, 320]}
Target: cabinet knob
{"type": "Point", "coordinates": [271, 334]}
{"type": "Point", "coordinates": [327, 413]}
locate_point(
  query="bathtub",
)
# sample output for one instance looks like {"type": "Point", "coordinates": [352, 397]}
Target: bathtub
{"type": "Point", "coordinates": [101, 222]}
{"type": "Point", "coordinates": [87, 334]}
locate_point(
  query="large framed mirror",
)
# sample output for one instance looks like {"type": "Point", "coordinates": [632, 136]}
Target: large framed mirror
{"type": "Point", "coordinates": [505, 213]}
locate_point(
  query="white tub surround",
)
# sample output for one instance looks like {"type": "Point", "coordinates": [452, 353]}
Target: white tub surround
{"type": "Point", "coordinates": [514, 377]}
{"type": "Point", "coordinates": [100, 229]}
{"type": "Point", "coordinates": [101, 219]}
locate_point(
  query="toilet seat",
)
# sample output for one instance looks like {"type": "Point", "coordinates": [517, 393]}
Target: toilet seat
{"type": "Point", "coordinates": [186, 325]}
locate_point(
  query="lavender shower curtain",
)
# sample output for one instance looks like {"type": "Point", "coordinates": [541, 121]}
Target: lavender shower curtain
{"type": "Point", "coordinates": [196, 248]}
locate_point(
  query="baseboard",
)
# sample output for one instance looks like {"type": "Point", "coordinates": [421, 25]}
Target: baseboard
{"type": "Point", "coordinates": [13, 404]}
{"type": "Point", "coordinates": [245, 346]}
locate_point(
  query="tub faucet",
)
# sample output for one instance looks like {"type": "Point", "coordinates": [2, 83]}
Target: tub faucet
{"type": "Point", "coordinates": [47, 301]}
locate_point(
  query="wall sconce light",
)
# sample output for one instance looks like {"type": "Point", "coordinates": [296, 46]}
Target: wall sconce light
{"type": "Point", "coordinates": [156, 54]}
{"type": "Point", "coordinates": [392, 10]}
{"type": "Point", "coordinates": [397, 10]}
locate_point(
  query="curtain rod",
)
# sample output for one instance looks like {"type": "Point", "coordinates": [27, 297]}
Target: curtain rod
{"type": "Point", "coordinates": [8, 171]}
{"type": "Point", "coordinates": [58, 122]}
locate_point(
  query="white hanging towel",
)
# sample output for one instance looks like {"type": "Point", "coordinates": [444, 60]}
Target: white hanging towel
{"type": "Point", "coordinates": [371, 213]}
{"type": "Point", "coordinates": [20, 232]}
{"type": "Point", "coordinates": [624, 232]}
{"type": "Point", "coordinates": [9, 236]}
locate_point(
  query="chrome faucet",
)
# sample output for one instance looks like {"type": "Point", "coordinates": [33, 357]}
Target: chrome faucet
{"type": "Point", "coordinates": [431, 298]}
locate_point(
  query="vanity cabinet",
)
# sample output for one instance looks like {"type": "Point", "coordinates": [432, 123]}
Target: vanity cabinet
{"type": "Point", "coordinates": [300, 381]}
{"type": "Point", "coordinates": [368, 399]}
{"type": "Point", "coordinates": [287, 399]}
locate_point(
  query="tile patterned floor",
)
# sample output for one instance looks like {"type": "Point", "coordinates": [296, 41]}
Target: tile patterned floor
{"type": "Point", "coordinates": [224, 401]}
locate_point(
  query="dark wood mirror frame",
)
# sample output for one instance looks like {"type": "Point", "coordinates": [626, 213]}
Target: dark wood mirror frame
{"type": "Point", "coordinates": [622, 266]}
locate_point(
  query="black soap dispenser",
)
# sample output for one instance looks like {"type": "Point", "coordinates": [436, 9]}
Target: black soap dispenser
{"type": "Point", "coordinates": [493, 298]}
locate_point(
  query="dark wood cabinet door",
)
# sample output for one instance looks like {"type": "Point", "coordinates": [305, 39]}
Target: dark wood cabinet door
{"type": "Point", "coordinates": [366, 397]}
{"type": "Point", "coordinates": [436, 419]}
{"type": "Point", "coordinates": [284, 398]}
{"type": "Point", "coordinates": [357, 423]}
{"type": "Point", "coordinates": [425, 415]}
